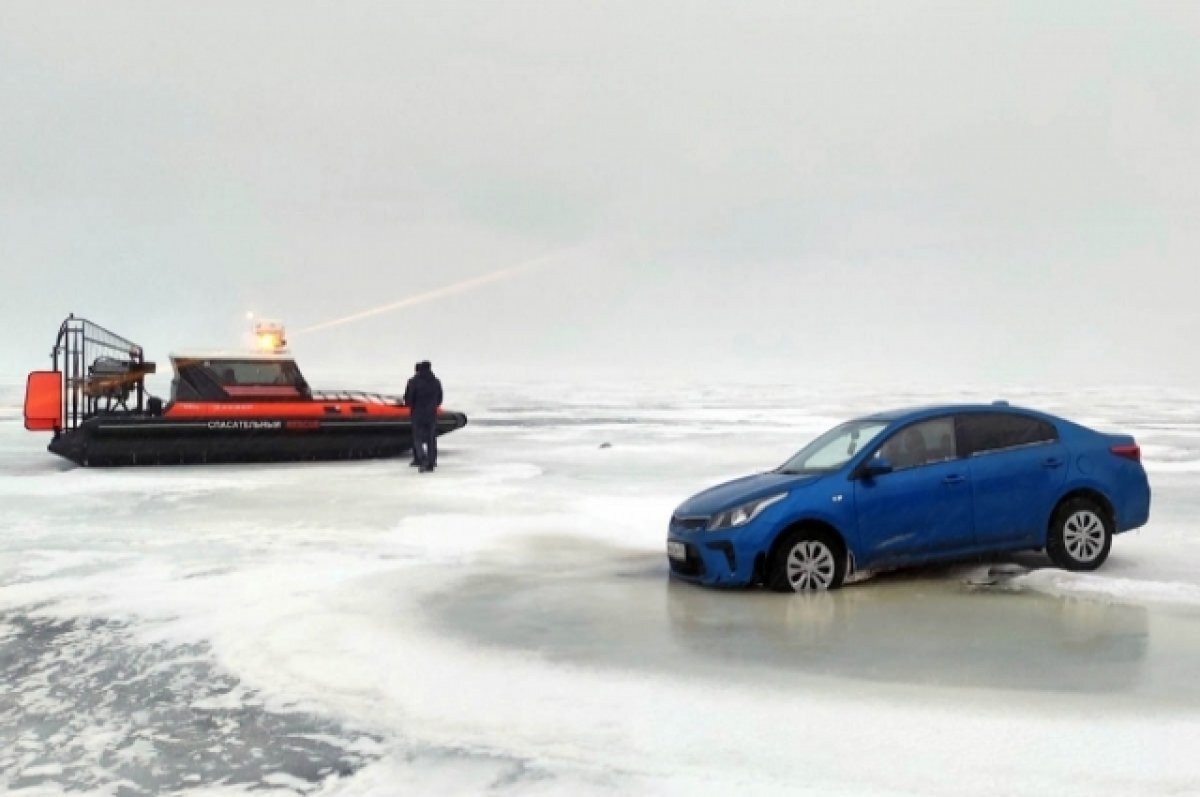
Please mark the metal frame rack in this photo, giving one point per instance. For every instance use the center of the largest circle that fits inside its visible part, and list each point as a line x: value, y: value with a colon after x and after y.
x: 102, y: 371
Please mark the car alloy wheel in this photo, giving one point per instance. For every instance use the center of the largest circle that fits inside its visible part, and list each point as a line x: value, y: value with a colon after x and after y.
x: 1080, y: 535
x: 806, y: 559
x: 1083, y: 535
x: 810, y: 565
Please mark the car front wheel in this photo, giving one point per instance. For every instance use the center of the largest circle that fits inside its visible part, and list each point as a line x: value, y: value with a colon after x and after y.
x: 806, y: 560
x: 1080, y: 535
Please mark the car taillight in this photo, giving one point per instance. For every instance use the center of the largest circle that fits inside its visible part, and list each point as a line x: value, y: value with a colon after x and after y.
x: 1128, y: 451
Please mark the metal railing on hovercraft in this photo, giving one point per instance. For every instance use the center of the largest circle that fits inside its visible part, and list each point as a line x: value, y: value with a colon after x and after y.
x: 102, y: 371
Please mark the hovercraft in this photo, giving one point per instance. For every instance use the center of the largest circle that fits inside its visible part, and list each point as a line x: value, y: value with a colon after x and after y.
x: 224, y: 407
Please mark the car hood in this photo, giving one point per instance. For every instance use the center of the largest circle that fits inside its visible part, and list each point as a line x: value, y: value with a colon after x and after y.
x: 739, y: 491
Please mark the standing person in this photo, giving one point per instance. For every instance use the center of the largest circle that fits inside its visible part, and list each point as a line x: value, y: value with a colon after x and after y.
x: 423, y: 397
x: 416, y: 463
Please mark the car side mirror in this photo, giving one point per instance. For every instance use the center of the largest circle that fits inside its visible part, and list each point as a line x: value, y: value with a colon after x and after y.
x: 876, y: 466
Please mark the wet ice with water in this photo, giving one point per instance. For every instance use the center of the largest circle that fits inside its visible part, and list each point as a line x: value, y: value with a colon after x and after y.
x: 507, y: 624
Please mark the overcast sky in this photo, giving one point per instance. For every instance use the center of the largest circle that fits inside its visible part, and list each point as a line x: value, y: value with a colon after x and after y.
x: 942, y: 193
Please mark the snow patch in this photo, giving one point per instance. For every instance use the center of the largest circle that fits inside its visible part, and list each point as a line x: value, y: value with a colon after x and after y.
x: 1101, y: 587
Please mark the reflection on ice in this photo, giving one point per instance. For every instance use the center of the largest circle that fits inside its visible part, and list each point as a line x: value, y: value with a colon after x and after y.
x: 917, y: 628
x: 936, y: 633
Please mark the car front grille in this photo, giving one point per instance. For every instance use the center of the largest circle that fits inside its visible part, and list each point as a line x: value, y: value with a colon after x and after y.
x: 689, y: 523
x: 692, y: 566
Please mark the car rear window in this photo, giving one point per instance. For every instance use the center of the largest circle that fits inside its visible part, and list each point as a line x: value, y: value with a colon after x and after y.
x: 998, y: 431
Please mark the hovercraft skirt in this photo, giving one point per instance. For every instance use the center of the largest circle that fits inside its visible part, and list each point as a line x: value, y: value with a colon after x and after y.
x: 117, y: 440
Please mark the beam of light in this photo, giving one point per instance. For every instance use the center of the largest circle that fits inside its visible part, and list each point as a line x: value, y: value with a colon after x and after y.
x: 454, y: 289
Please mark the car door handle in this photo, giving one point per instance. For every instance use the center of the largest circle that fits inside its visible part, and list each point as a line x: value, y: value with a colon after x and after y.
x: 1052, y: 462
x: 954, y: 478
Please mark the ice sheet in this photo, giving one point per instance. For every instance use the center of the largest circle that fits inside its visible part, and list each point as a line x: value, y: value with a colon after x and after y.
x: 506, y: 625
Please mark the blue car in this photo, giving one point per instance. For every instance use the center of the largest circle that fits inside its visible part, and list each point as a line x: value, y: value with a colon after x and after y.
x: 915, y: 486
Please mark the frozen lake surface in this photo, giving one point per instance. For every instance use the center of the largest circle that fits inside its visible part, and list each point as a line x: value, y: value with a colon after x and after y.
x: 507, y: 625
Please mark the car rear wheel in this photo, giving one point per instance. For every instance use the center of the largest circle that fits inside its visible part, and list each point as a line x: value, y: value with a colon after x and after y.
x: 1080, y: 535
x: 806, y: 560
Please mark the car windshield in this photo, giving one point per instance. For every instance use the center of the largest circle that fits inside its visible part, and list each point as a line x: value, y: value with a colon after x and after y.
x: 835, y: 448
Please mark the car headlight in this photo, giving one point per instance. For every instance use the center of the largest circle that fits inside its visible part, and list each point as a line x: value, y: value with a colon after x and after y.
x: 741, y: 515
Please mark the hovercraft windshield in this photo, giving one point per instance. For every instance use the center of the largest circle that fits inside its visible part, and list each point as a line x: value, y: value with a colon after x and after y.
x: 260, y: 377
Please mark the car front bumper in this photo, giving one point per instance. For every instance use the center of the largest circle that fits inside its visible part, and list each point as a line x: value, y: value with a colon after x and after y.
x: 712, y: 559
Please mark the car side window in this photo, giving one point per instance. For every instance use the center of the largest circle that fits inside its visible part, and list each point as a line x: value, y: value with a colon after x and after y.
x: 985, y: 432
x: 920, y: 444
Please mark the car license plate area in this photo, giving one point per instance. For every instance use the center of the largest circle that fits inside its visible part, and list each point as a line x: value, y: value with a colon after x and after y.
x: 677, y: 550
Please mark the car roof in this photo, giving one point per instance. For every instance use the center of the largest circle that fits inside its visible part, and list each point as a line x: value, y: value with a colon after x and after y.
x: 933, y: 410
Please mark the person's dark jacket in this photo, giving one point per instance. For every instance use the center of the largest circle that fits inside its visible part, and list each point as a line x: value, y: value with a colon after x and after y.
x: 423, y: 394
